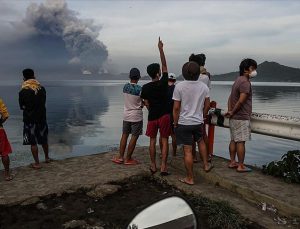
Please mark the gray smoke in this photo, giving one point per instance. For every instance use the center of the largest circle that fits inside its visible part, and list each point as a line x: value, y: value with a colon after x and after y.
x: 80, y: 36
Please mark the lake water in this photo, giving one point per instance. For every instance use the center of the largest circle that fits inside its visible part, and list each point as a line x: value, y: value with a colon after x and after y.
x: 85, y: 117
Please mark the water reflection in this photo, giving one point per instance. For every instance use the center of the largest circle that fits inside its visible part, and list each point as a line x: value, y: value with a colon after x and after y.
x: 86, y: 118
x: 73, y: 113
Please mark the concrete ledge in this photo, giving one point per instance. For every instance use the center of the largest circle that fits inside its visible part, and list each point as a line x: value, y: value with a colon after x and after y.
x: 97, y: 174
x: 254, y: 187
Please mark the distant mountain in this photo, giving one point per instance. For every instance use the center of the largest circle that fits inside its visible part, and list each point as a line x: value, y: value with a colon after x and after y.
x: 267, y: 72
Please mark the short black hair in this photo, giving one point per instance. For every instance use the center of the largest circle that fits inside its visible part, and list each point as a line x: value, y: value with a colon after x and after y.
x: 198, y: 58
x: 28, y: 73
x: 246, y: 64
x: 191, y: 71
x: 153, y: 70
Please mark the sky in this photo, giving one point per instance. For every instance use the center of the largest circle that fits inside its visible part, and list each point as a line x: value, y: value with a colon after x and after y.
x: 226, y: 31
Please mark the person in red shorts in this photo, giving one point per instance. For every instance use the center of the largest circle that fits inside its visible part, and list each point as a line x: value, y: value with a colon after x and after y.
x: 155, y: 96
x: 5, y: 148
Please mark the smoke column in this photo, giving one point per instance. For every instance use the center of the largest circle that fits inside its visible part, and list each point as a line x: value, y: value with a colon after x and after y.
x: 80, y: 36
x: 52, y: 40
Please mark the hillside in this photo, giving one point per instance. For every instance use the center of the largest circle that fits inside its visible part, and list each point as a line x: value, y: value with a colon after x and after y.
x: 267, y: 72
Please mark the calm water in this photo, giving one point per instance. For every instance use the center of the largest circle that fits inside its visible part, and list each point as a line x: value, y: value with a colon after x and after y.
x: 85, y: 117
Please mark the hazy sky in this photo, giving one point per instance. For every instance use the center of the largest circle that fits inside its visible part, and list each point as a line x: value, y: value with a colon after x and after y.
x: 226, y: 31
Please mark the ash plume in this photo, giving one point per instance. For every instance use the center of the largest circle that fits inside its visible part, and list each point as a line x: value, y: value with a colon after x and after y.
x: 53, y: 37
x: 80, y: 36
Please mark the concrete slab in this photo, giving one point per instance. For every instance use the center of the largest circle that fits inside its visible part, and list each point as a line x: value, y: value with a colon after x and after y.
x: 243, y: 191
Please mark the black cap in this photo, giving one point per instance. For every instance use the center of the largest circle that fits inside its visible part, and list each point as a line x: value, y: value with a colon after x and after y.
x: 134, y: 74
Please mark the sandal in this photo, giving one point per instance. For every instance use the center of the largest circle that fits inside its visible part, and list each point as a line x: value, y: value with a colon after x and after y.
x: 117, y: 160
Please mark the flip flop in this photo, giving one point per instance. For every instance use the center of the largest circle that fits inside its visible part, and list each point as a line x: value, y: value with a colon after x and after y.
x: 117, y: 160
x: 34, y: 166
x: 246, y: 170
x: 131, y: 162
x: 233, y: 166
x: 209, y: 168
x: 185, y: 182
x: 152, y: 171
x: 164, y: 173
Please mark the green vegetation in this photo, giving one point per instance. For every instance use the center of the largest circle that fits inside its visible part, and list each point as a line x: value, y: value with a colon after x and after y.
x: 218, y: 213
x: 288, y: 168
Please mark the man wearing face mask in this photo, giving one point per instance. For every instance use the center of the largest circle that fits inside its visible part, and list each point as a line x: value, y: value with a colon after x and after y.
x: 239, y: 112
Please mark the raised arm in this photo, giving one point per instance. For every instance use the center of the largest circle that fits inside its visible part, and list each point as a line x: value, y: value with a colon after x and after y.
x: 164, y: 67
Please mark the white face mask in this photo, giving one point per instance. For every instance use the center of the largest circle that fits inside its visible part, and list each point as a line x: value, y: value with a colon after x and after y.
x: 253, y: 74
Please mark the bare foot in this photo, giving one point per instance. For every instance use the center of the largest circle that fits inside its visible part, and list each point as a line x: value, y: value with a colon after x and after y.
x: 35, y: 166
x: 243, y: 169
x: 233, y: 164
x: 48, y: 160
x: 8, y: 176
x: 208, y: 167
x: 187, y: 181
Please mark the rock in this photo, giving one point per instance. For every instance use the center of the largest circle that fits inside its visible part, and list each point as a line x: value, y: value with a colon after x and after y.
x: 103, y: 190
x: 32, y: 200
x: 41, y: 206
x: 73, y: 224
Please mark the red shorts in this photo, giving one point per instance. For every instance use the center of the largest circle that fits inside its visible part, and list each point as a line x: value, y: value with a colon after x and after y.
x: 5, y: 147
x: 163, y: 124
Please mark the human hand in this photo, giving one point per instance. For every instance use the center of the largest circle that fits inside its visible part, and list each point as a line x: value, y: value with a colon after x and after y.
x: 228, y: 114
x: 160, y: 44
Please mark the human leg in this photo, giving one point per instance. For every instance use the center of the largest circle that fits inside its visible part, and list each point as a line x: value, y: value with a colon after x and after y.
x: 188, y: 163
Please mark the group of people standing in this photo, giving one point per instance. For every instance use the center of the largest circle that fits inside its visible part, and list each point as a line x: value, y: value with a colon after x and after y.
x: 180, y: 111
x: 177, y: 110
x: 32, y: 101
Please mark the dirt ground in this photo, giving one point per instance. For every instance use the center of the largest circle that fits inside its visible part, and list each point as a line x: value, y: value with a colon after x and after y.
x: 82, y: 210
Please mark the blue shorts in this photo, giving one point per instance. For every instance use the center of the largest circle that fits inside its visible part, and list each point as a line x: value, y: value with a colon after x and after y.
x: 35, y: 133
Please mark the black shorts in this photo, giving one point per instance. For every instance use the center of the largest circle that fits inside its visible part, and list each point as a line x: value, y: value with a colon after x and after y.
x: 188, y: 134
x: 35, y: 133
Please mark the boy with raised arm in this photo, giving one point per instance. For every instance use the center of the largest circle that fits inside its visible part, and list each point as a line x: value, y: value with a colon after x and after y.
x: 155, y: 96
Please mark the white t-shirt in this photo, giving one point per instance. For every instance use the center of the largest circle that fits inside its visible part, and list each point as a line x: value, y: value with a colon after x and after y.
x: 205, y: 79
x: 132, y: 103
x: 192, y: 95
